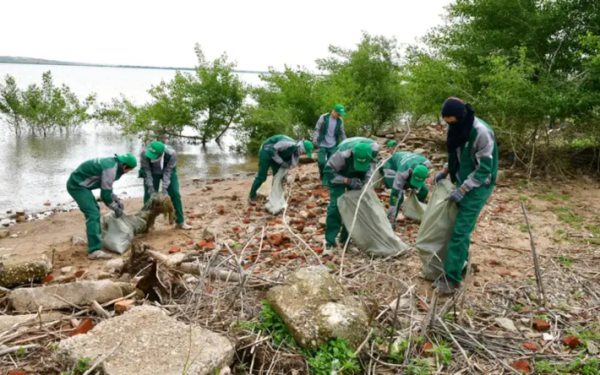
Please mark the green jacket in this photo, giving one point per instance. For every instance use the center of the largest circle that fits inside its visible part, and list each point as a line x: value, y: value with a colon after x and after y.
x: 164, y: 167
x: 99, y: 173
x: 476, y: 163
x: 282, y: 148
x: 397, y: 169
x: 323, y: 125
x: 341, y: 162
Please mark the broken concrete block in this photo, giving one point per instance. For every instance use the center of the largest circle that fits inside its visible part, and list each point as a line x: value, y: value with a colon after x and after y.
x: 114, y: 265
x: 8, y: 321
x: 18, y: 272
x: 64, y: 295
x: 151, y: 343
x: 316, y: 307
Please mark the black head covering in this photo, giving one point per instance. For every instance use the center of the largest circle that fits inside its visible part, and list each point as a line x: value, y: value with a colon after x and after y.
x: 458, y: 132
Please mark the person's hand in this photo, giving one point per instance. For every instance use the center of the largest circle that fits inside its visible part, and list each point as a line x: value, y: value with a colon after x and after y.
x: 164, y: 192
x: 285, y: 165
x: 392, y: 216
x: 118, y: 213
x: 440, y: 176
x: 118, y: 202
x: 355, y: 183
x: 457, y: 195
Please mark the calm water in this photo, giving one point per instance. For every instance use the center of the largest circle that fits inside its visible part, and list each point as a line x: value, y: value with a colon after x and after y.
x: 35, y: 169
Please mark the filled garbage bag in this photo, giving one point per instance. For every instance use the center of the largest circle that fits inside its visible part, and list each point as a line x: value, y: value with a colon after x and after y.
x: 372, y: 232
x: 436, y: 229
x: 117, y: 233
x: 413, y: 209
x: 377, y: 179
x: 276, y: 202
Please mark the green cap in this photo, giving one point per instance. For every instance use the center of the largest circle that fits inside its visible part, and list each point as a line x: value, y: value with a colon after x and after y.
x: 155, y: 150
x: 392, y: 144
x: 362, y: 157
x: 308, y: 147
x: 419, y: 175
x: 339, y: 109
x: 128, y: 160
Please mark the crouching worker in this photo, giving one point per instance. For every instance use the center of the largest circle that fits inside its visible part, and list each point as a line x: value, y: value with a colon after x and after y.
x: 473, y: 167
x: 159, y: 163
x: 403, y: 171
x: 279, y: 151
x: 98, y: 173
x: 349, y: 168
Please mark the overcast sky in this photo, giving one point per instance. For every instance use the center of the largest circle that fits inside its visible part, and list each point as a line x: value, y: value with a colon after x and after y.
x: 257, y: 34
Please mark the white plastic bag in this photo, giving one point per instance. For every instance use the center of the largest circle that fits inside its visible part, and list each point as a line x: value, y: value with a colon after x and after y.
x: 413, y: 209
x: 276, y: 202
x: 436, y: 229
x: 372, y: 232
x: 117, y: 233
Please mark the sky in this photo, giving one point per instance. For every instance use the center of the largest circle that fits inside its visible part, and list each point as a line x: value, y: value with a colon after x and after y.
x: 256, y: 33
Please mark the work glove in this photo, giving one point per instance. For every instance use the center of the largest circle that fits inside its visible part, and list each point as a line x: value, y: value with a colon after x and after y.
x: 118, y: 212
x: 392, y: 215
x: 285, y: 165
x: 118, y: 202
x: 150, y: 190
x: 440, y: 176
x: 164, y: 192
x: 457, y: 195
x: 355, y: 183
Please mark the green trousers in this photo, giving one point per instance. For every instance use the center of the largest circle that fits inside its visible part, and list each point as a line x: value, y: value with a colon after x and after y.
x: 421, y: 196
x: 173, y: 192
x: 88, y: 205
x: 264, y: 163
x: 334, y: 219
x: 324, y: 155
x: 468, y: 213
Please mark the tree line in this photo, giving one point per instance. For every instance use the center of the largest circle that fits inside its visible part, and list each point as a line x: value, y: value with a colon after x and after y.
x: 529, y: 67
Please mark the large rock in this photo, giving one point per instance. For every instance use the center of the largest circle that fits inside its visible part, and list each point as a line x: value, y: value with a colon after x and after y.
x: 63, y: 295
x: 316, y: 307
x: 18, y: 272
x: 8, y: 321
x: 151, y: 343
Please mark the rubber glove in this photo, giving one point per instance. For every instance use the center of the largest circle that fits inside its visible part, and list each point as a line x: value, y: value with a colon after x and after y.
x: 457, y: 195
x: 285, y: 165
x: 355, y: 183
x: 440, y: 176
x: 118, y: 213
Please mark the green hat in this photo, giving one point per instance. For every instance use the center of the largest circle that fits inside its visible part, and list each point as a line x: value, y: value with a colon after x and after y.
x: 308, y: 147
x: 362, y: 157
x: 392, y: 144
x: 339, y: 109
x: 419, y: 175
x: 128, y: 160
x: 155, y: 150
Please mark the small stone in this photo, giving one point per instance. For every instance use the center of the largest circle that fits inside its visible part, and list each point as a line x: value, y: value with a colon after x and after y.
x: 84, y: 327
x: 76, y: 240
x: 521, y: 366
x: 503, y: 271
x: 66, y: 270
x: 571, y: 341
x: 591, y: 347
x: 80, y: 273
x: 507, y: 324
x: 541, y: 325
x: 125, y: 278
x: 104, y: 276
x: 322, y: 222
x: 419, y: 151
x: 530, y: 346
x: 14, y: 235
x: 221, y: 210
x: 114, y: 264
x: 122, y: 306
x: 4, y: 233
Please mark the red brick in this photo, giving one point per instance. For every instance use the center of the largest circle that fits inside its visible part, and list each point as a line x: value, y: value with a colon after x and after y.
x: 541, y: 325
x: 221, y: 210
x: 189, y: 242
x: 174, y: 250
x: 246, y: 221
x: 80, y: 273
x: 276, y: 239
x: 122, y: 306
x: 201, y: 244
x: 521, y: 366
x: 16, y: 372
x: 48, y: 279
x: 210, y: 245
x: 427, y: 349
x: 422, y: 306
x: 531, y: 346
x: 571, y: 341
x: 84, y: 327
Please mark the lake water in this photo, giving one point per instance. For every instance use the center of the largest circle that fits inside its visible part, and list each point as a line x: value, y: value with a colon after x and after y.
x: 35, y: 169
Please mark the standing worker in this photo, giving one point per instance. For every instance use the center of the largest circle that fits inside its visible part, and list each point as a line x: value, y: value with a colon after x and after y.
x: 350, y: 167
x: 279, y: 151
x: 473, y: 167
x: 329, y: 133
x: 98, y: 173
x: 405, y: 170
x: 159, y: 163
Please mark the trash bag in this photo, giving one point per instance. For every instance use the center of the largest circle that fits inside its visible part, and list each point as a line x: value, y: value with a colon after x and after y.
x: 436, y: 229
x: 377, y: 179
x: 413, y: 209
x: 276, y: 202
x: 372, y: 232
x: 117, y: 233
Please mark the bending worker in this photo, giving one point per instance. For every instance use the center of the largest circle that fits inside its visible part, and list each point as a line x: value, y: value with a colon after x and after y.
x: 279, y: 151
x: 159, y: 163
x: 405, y: 170
x: 391, y: 146
x: 329, y: 134
x: 350, y: 167
x: 98, y: 173
x: 473, y: 167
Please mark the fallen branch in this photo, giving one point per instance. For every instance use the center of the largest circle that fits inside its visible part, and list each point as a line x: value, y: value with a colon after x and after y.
x: 17, y: 348
x: 536, y: 263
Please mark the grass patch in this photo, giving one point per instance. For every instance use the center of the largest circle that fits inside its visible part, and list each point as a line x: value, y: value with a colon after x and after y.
x: 81, y: 367
x: 524, y: 229
x: 565, y: 260
x: 587, y: 366
x: 567, y: 216
x: 517, y: 307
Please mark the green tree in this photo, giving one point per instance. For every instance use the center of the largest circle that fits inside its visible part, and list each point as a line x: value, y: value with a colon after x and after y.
x: 10, y: 104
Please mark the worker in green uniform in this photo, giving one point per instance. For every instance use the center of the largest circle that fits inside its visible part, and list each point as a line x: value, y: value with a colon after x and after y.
x: 98, y: 173
x: 405, y: 170
x: 349, y: 168
x: 328, y: 135
x: 473, y: 167
x: 158, y: 162
x: 391, y: 146
x: 279, y: 151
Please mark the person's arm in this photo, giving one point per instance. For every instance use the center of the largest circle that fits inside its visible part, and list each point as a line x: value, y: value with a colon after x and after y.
x: 280, y: 147
x: 107, y: 180
x: 484, y: 150
x: 342, y: 132
x: 318, y: 131
x: 397, y: 196
x: 337, y: 163
x: 145, y: 166
x: 168, y: 169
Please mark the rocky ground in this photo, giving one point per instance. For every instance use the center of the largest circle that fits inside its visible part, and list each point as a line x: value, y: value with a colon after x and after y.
x: 216, y: 276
